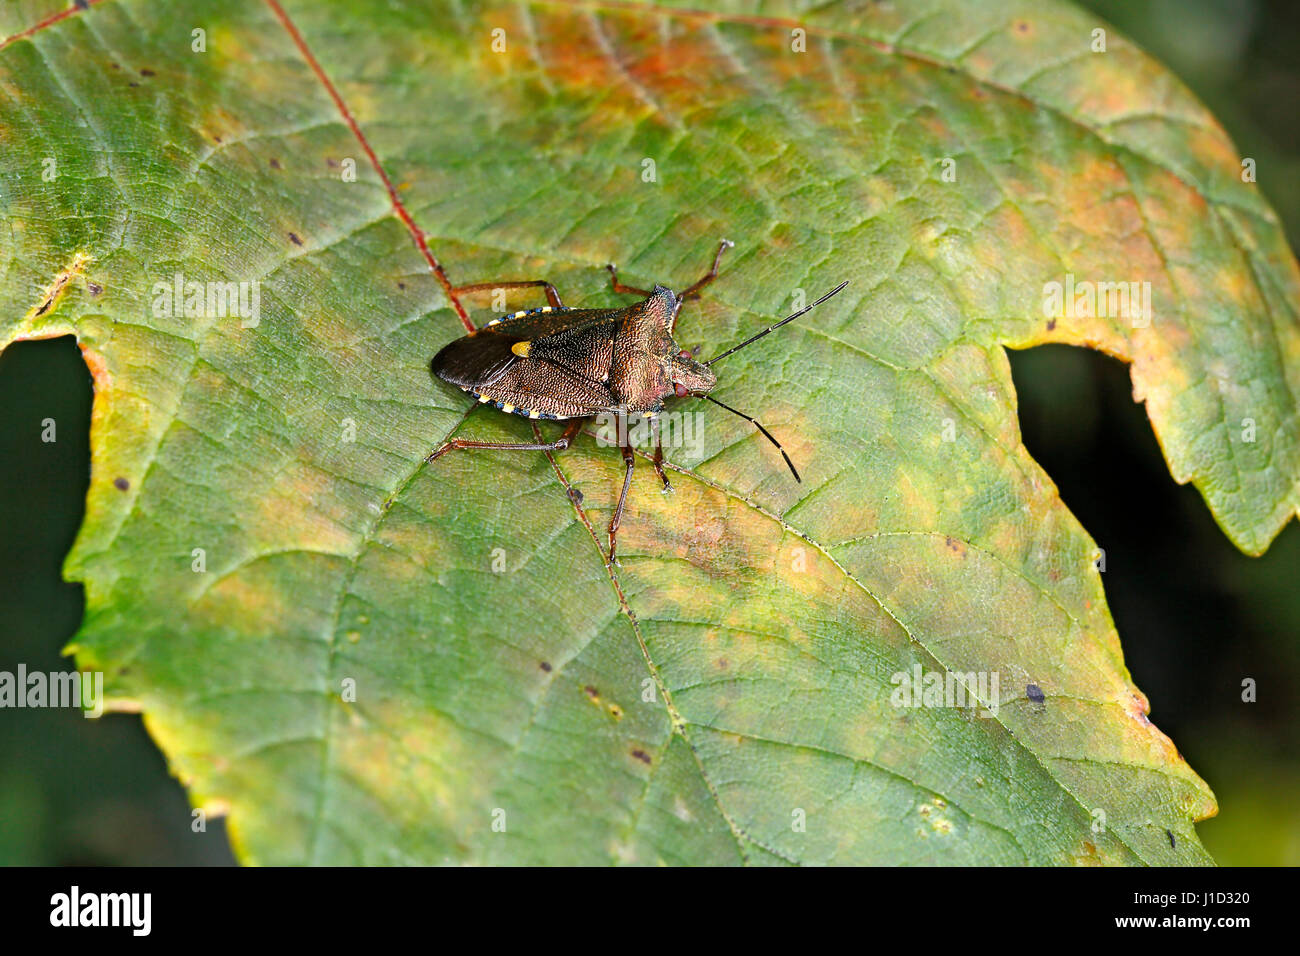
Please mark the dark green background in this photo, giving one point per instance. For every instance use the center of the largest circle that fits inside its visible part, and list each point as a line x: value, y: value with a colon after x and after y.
x: 1195, y: 615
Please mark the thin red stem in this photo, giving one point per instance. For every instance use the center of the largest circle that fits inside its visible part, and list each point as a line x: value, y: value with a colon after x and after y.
x: 49, y: 21
x: 398, y: 206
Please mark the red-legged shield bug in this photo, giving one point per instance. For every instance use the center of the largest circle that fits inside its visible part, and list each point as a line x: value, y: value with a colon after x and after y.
x: 573, y: 364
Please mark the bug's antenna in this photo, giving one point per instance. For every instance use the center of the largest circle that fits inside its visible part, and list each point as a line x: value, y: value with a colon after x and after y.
x: 765, y: 432
x: 773, y: 328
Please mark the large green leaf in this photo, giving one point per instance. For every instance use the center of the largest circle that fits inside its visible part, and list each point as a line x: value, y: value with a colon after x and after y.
x: 734, y: 676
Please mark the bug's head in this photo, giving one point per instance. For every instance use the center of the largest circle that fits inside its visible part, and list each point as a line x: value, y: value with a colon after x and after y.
x: 689, y: 376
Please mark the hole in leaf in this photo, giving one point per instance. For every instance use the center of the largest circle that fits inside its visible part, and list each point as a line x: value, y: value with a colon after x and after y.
x: 79, y: 792
x: 1195, y: 616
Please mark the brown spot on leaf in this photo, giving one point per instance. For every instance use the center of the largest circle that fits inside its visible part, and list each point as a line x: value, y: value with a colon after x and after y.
x: 275, y: 164
x: 121, y: 484
x: 642, y: 756
x: 146, y: 72
x: 56, y: 288
x: 1051, y: 325
x: 1138, y: 707
x: 1088, y: 855
x: 296, y: 240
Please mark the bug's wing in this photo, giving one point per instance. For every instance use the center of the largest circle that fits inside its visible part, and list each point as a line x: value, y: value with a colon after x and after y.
x: 474, y: 361
x: 563, y: 374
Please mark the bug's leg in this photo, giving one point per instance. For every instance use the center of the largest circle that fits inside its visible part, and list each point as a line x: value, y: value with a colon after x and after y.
x: 709, y: 276
x: 561, y: 443
x: 629, y: 458
x: 693, y: 291
x: 659, y: 454
x: 620, y: 287
x: 552, y: 296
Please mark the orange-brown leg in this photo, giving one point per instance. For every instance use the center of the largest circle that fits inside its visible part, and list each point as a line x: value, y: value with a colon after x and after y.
x: 561, y: 443
x: 709, y: 276
x: 552, y: 296
x: 691, y: 292
x: 629, y: 459
x: 658, y: 459
x: 620, y: 287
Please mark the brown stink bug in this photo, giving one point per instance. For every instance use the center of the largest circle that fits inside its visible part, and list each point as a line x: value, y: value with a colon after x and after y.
x: 574, y: 364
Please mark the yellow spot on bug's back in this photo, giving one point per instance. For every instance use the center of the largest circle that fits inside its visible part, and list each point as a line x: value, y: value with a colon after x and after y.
x: 534, y: 413
x: 484, y: 398
x: 546, y: 308
x: 521, y: 349
x: 507, y: 407
x: 494, y: 322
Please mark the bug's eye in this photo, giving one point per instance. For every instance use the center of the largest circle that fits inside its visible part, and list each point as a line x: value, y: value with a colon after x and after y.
x: 684, y: 354
x: 679, y: 389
